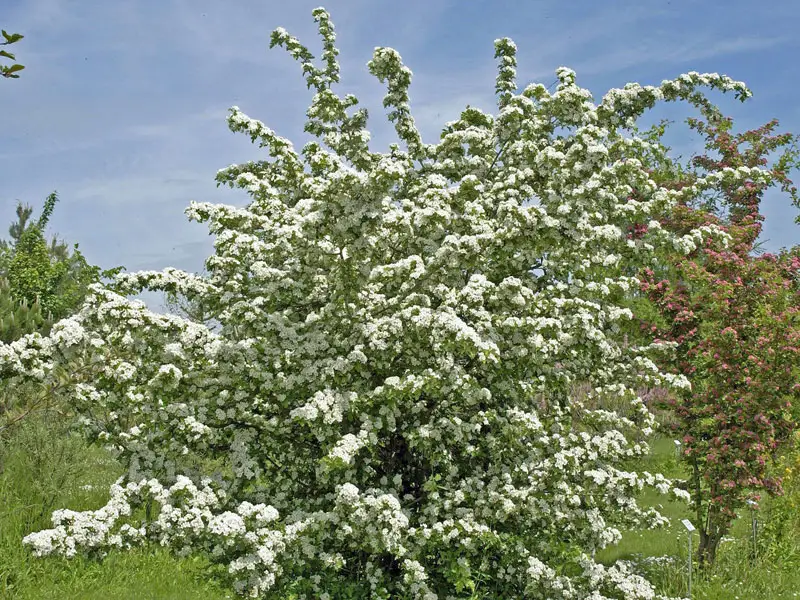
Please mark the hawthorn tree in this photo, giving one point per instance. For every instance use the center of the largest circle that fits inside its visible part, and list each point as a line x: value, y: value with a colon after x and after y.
x: 734, y: 317
x: 385, y: 410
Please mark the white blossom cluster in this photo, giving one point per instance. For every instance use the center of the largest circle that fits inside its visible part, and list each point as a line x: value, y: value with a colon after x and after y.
x: 385, y: 411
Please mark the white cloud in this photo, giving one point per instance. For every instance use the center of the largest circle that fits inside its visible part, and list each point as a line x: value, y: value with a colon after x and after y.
x: 674, y: 50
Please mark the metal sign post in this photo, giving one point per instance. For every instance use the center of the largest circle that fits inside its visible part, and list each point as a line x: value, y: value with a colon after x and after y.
x: 689, y: 528
x: 754, y: 523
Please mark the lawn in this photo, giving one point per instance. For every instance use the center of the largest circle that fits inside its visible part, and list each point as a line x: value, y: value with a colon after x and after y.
x: 44, y: 467
x: 735, y: 576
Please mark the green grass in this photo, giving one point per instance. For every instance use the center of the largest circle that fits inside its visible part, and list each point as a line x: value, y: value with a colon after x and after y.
x: 734, y: 576
x: 43, y: 467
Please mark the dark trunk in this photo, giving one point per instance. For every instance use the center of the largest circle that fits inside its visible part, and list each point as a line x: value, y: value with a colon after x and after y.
x: 710, y: 523
x: 707, y: 550
x: 716, y: 526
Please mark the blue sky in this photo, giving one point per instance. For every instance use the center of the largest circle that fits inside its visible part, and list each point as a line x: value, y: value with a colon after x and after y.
x: 122, y: 105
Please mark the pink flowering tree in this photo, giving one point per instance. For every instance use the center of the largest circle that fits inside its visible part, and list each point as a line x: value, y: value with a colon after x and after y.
x: 734, y: 317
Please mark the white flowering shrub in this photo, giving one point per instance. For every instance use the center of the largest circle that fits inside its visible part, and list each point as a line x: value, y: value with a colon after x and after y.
x: 384, y: 412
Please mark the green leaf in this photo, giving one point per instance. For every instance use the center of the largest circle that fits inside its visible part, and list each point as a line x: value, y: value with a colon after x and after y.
x: 14, y: 68
x: 7, y: 55
x: 11, y: 37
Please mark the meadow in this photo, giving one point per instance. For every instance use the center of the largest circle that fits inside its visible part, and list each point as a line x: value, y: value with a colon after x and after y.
x: 45, y: 465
